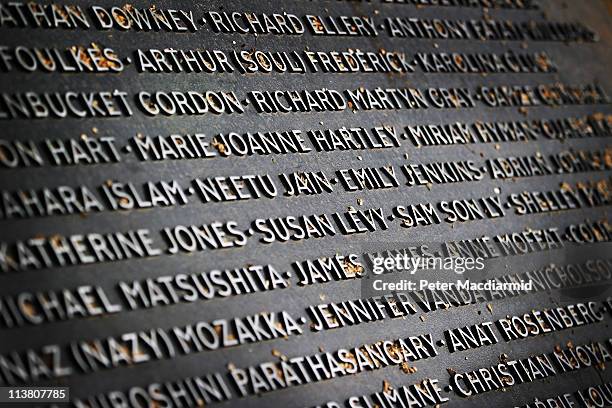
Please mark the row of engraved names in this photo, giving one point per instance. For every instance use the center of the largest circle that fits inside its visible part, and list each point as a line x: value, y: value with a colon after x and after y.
x: 116, y: 195
x: 154, y: 19
x: 133, y: 348
x: 99, y: 59
x: 41, y: 252
x: 97, y: 147
x: 210, y: 388
x: 116, y: 103
x: 31, y: 307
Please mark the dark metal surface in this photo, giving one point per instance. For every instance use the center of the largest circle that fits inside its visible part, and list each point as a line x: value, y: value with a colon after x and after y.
x: 577, y: 63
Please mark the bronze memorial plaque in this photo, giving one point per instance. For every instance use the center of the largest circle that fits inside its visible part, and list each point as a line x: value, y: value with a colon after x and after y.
x: 309, y: 203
